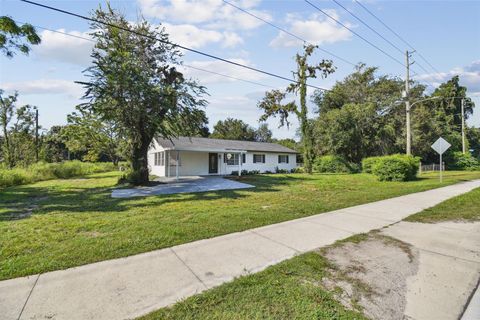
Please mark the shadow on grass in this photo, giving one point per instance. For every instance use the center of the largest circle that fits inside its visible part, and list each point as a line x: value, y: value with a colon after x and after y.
x: 21, y: 202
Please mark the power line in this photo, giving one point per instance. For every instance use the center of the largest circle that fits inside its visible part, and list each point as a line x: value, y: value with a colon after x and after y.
x: 368, y: 26
x: 181, y: 64
x: 286, y: 31
x: 396, y: 34
x: 227, y: 76
x: 355, y: 33
x: 375, y: 31
x: 167, y: 42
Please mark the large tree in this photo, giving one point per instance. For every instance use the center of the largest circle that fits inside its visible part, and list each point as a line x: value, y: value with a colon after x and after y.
x: 233, y: 129
x: 361, y: 115
x: 440, y: 116
x: 133, y: 83
x: 15, y: 37
x: 273, y: 106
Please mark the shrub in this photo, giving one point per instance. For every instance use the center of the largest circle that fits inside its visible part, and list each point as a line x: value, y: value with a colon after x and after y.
x: 396, y: 168
x: 298, y: 170
x: 278, y: 170
x: 464, y: 162
x: 368, y: 163
x: 333, y: 164
x: 48, y: 171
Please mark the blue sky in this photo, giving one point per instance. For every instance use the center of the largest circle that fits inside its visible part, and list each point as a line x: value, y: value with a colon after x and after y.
x: 446, y: 33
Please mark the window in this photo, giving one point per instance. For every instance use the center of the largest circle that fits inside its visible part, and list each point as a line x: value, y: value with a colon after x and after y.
x: 234, y: 159
x: 159, y: 158
x: 258, y: 158
x: 283, y: 158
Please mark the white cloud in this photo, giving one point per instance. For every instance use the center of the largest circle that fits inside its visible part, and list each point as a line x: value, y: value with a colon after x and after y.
x: 469, y: 77
x: 215, y: 13
x: 63, y: 48
x: 222, y: 68
x: 315, y: 29
x: 195, y: 37
x: 46, y: 86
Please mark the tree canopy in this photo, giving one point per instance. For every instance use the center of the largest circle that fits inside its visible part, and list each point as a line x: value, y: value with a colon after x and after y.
x: 363, y: 115
x: 236, y: 129
x: 16, y: 38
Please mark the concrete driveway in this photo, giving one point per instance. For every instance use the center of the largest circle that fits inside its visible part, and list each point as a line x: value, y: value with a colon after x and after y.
x: 183, y: 185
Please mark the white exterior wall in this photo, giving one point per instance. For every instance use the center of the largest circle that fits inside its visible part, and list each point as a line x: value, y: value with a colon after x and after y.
x: 271, y: 163
x: 193, y: 163
x: 159, y: 171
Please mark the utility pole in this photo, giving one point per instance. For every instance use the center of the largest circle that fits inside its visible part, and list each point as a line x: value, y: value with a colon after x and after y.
x: 463, y: 127
x: 36, y: 134
x: 407, y: 102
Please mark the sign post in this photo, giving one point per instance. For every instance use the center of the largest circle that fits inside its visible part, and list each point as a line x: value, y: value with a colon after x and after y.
x: 440, y: 146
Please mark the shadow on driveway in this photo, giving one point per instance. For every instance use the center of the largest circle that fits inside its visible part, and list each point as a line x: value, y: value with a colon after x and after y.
x: 184, y: 185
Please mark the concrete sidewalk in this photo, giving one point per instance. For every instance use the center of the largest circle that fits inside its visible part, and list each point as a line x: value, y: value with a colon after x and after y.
x: 130, y: 287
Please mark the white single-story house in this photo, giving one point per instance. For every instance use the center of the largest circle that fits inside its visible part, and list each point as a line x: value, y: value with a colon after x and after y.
x: 192, y: 156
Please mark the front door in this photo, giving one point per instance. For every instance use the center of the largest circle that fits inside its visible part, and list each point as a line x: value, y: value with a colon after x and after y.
x: 213, y: 163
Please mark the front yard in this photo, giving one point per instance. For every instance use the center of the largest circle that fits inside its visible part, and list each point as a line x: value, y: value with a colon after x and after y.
x: 364, y: 276
x: 58, y: 224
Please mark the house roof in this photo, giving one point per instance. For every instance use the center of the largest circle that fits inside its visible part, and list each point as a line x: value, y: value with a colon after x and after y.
x: 220, y: 145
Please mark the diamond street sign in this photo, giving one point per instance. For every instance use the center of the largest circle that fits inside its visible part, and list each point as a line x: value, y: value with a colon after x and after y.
x: 441, y: 145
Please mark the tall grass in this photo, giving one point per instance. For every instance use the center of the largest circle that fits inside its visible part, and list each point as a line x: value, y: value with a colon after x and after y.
x: 48, y: 171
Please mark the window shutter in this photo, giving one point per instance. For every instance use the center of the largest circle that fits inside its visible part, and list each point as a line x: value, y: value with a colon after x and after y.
x: 225, y: 158
x: 244, y: 158
x: 279, y: 158
x: 288, y: 158
x: 263, y: 158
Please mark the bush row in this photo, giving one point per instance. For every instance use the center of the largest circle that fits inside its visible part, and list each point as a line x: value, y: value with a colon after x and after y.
x: 277, y: 170
x: 334, y: 164
x: 397, y: 167
x: 48, y: 171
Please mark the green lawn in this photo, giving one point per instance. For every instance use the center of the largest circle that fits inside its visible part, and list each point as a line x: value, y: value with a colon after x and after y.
x: 58, y: 224
x: 289, y: 290
x: 462, y: 208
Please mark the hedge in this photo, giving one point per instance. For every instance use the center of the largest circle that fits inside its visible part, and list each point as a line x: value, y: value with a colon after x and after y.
x: 48, y: 171
x: 464, y: 162
x: 368, y: 163
x: 396, y: 167
x: 333, y: 164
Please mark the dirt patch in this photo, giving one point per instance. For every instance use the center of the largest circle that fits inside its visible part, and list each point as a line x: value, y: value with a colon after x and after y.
x: 371, y: 275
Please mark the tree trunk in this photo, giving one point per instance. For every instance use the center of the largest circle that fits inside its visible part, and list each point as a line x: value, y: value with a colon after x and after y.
x: 139, y: 162
x: 304, y: 123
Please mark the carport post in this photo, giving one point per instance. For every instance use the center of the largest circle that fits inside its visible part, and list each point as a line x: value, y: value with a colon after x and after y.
x: 176, y: 166
x: 239, y: 164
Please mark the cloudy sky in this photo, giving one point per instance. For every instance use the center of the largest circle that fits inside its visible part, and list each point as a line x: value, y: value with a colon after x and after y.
x: 446, y: 33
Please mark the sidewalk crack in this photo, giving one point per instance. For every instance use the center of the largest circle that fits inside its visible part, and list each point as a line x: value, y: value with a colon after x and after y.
x: 275, y: 241
x: 28, y: 297
x: 190, y: 269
